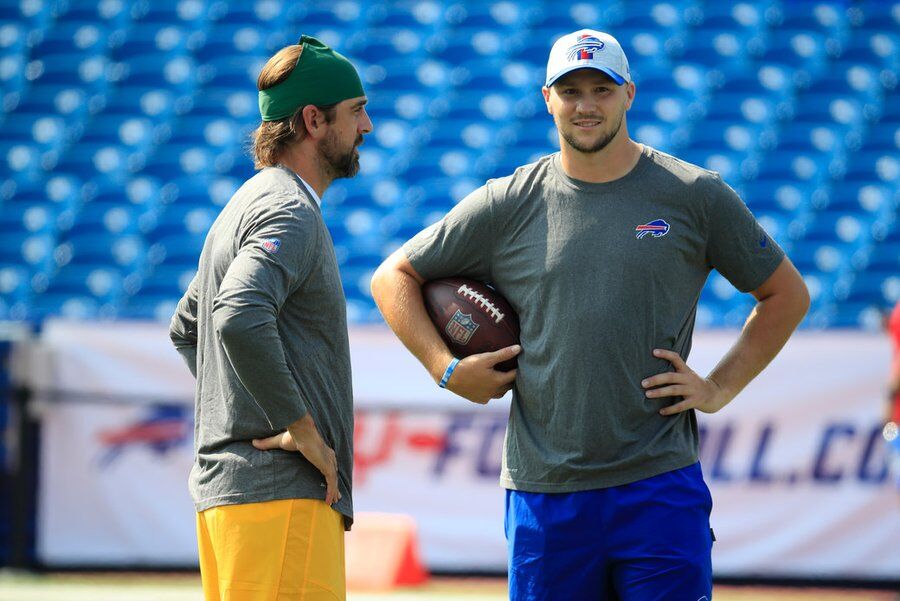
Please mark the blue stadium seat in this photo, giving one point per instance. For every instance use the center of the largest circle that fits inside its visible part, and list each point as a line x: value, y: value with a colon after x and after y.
x: 163, y: 70
x: 15, y: 284
x: 174, y: 251
x: 823, y: 17
x: 132, y: 131
x: 798, y: 49
x: 872, y: 48
x: 811, y: 137
x: 89, y: 160
x: 791, y: 165
x: 151, y: 39
x: 183, y: 219
x: 73, y: 39
x: 87, y: 71
x: 377, y: 45
x: 240, y: 104
x: 13, y: 39
x: 177, y: 160
x: 497, y: 15
x: 216, y: 132
x: 68, y: 306
x: 737, y: 136
x: 99, y: 282
x: 769, y: 195
x: 875, y: 15
x: 731, y: 15
x: 855, y: 196
x: 32, y: 218
x: 873, y: 166
x: 878, y: 288
x: 237, y: 39
x: 566, y: 18
x: 35, y: 14
x: 306, y: 16
x: 844, y: 78
x: 111, y: 12
x: 95, y: 248
x: 885, y: 258
x: 467, y: 133
x: 712, y: 48
x: 653, y: 15
x: 735, y: 106
x: 828, y: 108
x: 238, y: 72
x: 883, y: 137
x: 170, y: 12
x: 26, y: 248
x: 42, y: 130
x: 137, y: 101
x: 166, y: 281
x: 260, y: 15
x: 69, y: 101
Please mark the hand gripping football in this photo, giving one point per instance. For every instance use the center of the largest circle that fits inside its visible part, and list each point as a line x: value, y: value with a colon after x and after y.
x: 471, y: 317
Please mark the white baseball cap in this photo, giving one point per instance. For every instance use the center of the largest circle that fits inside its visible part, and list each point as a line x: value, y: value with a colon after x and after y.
x: 588, y: 49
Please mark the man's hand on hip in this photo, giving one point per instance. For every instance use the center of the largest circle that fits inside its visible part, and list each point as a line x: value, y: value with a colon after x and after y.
x: 303, y: 436
x: 697, y: 392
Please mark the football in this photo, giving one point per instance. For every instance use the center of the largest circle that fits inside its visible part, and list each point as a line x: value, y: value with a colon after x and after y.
x: 471, y: 317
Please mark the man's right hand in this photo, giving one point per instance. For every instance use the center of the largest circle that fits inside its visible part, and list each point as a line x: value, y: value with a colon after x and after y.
x: 476, y: 379
x: 303, y: 436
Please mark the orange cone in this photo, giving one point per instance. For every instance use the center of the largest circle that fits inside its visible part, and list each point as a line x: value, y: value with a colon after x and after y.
x: 383, y: 553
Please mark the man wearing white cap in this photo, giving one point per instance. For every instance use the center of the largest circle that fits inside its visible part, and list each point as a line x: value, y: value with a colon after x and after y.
x: 602, y: 249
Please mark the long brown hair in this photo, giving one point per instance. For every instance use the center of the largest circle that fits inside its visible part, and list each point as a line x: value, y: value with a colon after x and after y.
x: 272, y: 138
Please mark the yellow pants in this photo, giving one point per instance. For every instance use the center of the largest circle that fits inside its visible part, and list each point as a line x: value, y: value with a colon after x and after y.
x: 291, y: 550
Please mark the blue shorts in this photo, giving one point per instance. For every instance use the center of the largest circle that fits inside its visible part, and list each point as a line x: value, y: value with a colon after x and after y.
x: 643, y: 541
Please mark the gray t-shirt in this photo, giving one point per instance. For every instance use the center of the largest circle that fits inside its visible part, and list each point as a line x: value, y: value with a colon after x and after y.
x: 263, y: 327
x: 600, y: 275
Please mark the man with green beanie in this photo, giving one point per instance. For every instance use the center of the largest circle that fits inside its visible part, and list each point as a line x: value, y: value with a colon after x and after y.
x: 263, y: 328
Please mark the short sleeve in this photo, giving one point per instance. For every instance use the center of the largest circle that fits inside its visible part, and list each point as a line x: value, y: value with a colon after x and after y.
x: 460, y: 244
x: 737, y: 246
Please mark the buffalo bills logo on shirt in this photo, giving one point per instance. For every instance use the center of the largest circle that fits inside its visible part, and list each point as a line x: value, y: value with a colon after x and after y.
x: 272, y: 245
x: 584, y: 48
x: 461, y: 327
x: 656, y: 228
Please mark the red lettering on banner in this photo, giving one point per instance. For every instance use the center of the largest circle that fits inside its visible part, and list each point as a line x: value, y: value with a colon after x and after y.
x: 377, y: 437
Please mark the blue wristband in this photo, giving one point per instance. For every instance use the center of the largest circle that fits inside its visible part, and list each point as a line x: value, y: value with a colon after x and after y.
x: 448, y: 372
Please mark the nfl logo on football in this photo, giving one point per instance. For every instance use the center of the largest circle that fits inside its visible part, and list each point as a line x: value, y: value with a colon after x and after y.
x: 461, y: 327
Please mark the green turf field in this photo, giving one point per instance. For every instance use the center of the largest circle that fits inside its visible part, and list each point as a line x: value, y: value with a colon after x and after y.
x: 180, y: 587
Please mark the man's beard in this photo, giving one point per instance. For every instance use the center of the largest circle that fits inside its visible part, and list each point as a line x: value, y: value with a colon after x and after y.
x: 596, y: 146
x: 339, y: 164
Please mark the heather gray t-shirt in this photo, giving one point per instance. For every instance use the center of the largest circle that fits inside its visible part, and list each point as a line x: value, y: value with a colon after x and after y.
x: 600, y: 275
x: 263, y: 327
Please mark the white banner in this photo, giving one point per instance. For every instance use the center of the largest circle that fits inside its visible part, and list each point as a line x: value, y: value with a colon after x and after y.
x: 796, y: 466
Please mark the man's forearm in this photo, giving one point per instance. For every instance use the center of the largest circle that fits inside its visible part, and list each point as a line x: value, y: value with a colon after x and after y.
x: 399, y: 298
x: 765, y: 333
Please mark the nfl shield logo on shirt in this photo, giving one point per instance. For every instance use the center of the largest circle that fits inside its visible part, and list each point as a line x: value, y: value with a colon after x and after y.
x: 461, y: 327
x: 272, y: 245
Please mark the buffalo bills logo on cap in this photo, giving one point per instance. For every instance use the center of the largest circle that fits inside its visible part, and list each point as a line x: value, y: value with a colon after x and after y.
x: 656, y: 228
x: 272, y: 245
x: 584, y: 48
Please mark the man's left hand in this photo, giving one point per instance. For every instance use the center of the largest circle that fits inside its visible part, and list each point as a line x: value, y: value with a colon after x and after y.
x: 698, y: 393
